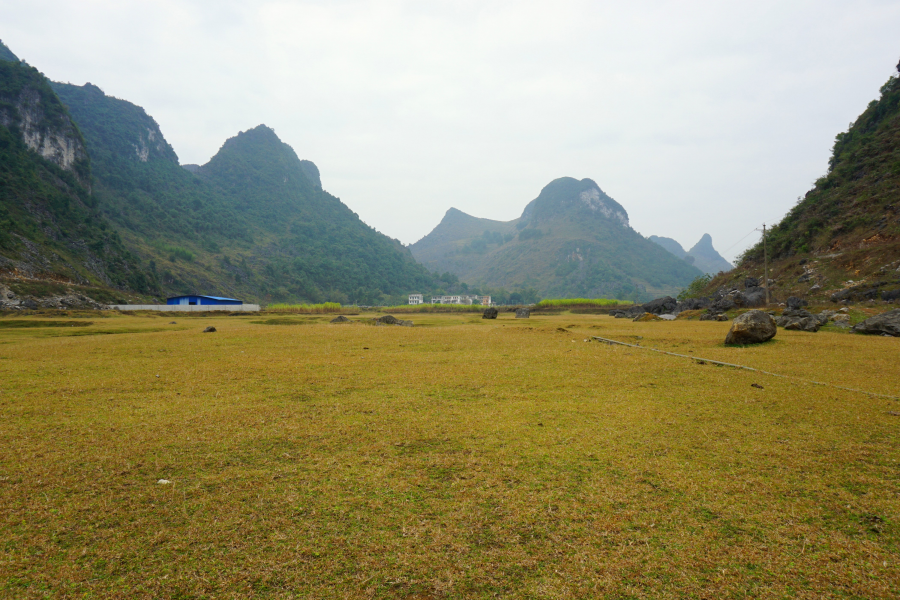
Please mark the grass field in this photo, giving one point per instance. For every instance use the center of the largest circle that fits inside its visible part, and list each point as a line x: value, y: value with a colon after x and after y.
x: 461, y: 458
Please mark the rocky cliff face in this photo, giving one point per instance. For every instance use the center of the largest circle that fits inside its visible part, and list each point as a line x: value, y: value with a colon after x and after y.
x: 50, y: 228
x: 30, y: 109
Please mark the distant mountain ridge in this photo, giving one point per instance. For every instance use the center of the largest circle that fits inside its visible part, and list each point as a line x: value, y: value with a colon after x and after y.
x: 573, y: 240
x: 93, y: 193
x: 702, y: 255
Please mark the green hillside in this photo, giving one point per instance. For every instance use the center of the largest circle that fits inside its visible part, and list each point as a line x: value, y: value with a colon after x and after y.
x: 317, y: 248
x: 845, y: 232
x: 573, y: 240
x: 253, y: 223
x: 50, y: 227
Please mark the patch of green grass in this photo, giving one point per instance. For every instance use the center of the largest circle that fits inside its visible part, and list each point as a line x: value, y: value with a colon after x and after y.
x: 24, y: 323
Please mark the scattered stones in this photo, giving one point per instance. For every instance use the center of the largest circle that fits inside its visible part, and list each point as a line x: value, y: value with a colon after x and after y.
x: 523, y: 313
x: 714, y: 317
x: 752, y: 327
x: 799, y: 320
x: 886, y: 323
x: 841, y: 320
x: 209, y: 329
x: 340, y: 319
x: 489, y: 313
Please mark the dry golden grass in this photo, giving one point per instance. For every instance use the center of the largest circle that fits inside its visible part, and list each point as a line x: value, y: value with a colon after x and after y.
x: 462, y: 458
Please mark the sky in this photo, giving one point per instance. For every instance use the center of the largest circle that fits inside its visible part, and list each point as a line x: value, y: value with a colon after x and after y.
x: 697, y: 117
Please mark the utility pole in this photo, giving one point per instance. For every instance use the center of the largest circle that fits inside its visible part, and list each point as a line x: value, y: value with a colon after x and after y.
x: 766, y: 261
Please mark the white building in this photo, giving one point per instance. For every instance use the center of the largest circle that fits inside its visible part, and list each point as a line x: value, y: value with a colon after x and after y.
x: 416, y: 299
x: 462, y: 299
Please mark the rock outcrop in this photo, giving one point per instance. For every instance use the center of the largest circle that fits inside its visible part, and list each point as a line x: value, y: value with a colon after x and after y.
x: 884, y: 324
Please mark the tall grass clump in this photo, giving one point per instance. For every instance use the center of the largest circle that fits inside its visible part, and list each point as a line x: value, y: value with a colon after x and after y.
x: 325, y: 307
x: 581, y: 303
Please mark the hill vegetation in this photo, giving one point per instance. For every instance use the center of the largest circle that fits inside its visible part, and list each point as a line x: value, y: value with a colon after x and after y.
x: 252, y: 223
x: 49, y: 223
x: 843, y: 236
x: 573, y: 240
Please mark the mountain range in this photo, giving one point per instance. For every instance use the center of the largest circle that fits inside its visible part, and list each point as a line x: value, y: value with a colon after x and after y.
x: 573, y: 240
x: 702, y: 255
x: 94, y: 194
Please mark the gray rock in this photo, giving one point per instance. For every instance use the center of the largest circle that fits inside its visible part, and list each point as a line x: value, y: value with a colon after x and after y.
x: 523, y: 313
x: 751, y: 282
x: 802, y: 324
x: 340, y: 319
x: 387, y: 320
x: 209, y: 329
x: 660, y: 306
x: 752, y: 327
x: 795, y: 303
x: 886, y: 323
x: 489, y: 313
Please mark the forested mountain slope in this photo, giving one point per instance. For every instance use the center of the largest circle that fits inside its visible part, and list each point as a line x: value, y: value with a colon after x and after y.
x: 845, y: 232
x: 49, y: 225
x: 573, y: 240
x: 253, y: 223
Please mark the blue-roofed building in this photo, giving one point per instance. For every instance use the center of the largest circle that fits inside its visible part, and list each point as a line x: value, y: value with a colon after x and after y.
x: 202, y: 301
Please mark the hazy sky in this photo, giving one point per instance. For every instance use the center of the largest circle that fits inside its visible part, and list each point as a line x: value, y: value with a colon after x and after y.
x: 696, y: 116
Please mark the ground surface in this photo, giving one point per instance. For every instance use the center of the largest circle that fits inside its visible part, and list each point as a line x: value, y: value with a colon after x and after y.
x: 460, y: 458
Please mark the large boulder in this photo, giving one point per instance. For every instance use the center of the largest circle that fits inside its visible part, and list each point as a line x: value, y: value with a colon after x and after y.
x: 884, y: 324
x: 523, y: 313
x: 489, y: 313
x: 660, y: 306
x: 755, y: 296
x: 387, y: 320
x: 340, y: 319
x: 752, y: 327
x: 795, y: 303
x: 751, y: 282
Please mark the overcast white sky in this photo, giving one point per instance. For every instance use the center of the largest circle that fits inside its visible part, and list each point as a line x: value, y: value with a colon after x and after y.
x: 696, y: 116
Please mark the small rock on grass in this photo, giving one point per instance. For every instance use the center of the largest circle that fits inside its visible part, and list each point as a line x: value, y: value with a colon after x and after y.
x: 163, y: 482
x: 340, y: 319
x: 209, y: 329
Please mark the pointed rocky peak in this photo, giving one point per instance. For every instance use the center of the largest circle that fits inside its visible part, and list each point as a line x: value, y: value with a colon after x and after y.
x: 707, y: 259
x: 704, y: 246
x: 261, y: 153
x: 568, y: 194
x: 6, y: 53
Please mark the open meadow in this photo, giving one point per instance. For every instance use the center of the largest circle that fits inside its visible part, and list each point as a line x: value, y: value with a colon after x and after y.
x: 460, y: 458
